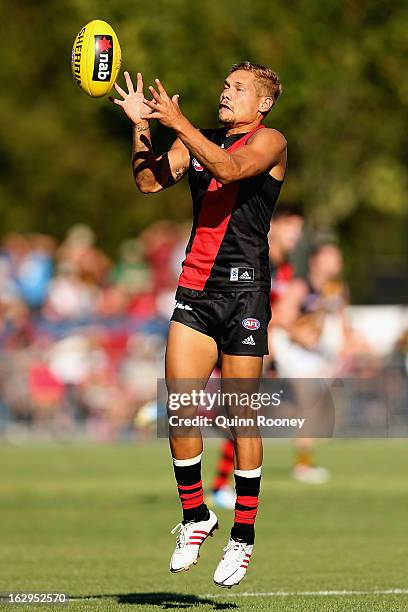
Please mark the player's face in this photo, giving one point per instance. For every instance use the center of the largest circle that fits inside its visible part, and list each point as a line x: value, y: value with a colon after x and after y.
x: 287, y: 231
x: 329, y: 260
x: 239, y: 100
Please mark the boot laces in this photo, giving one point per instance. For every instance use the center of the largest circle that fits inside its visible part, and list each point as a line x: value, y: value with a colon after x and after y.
x: 182, y: 533
x: 236, y: 546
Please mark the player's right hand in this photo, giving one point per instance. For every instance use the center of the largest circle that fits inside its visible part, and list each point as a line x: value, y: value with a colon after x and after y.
x: 132, y: 102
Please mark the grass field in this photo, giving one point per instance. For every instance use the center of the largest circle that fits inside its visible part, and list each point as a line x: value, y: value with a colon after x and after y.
x: 94, y: 522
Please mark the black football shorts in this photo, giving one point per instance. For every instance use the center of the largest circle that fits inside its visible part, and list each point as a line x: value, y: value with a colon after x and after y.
x: 238, y: 321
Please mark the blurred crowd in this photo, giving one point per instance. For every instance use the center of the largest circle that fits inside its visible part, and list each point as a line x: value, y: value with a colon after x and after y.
x: 82, y: 337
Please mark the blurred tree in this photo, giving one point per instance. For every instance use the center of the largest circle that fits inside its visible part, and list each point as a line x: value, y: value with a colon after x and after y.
x: 65, y: 157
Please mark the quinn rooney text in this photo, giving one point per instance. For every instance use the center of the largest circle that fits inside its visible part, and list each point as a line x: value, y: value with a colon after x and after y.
x: 225, y: 422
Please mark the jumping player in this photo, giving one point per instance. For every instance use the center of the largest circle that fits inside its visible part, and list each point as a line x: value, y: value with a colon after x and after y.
x: 235, y: 175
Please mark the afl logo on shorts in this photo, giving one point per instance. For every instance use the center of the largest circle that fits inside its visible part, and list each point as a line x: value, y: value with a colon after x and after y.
x: 252, y: 324
x: 196, y: 165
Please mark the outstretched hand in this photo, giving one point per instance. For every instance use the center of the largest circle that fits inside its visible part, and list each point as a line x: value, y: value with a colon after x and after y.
x: 133, y: 101
x: 162, y: 107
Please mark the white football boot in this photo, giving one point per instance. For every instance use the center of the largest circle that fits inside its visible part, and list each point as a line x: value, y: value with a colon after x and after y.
x: 233, y: 566
x: 190, y: 536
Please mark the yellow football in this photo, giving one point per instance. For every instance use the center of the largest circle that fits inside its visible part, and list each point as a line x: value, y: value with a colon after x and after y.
x: 96, y: 58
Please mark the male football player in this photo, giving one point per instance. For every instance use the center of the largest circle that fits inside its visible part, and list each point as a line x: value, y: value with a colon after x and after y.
x: 222, y: 300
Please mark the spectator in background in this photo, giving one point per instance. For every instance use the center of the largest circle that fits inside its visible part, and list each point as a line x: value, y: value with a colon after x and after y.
x: 133, y: 276
x: 79, y: 250
x: 69, y: 296
x: 30, y: 260
x: 36, y: 270
x: 160, y: 241
x: 132, y: 271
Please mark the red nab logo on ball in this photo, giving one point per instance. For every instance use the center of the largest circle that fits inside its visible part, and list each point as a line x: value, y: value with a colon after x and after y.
x: 196, y: 165
x: 252, y: 324
x: 103, y: 58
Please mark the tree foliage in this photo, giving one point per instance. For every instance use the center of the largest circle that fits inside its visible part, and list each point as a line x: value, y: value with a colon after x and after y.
x: 65, y: 157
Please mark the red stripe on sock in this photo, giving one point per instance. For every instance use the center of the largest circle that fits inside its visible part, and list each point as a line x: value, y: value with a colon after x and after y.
x: 192, y: 500
x: 248, y: 515
x: 190, y: 495
x: 189, y: 487
x: 245, y: 516
x: 247, y: 500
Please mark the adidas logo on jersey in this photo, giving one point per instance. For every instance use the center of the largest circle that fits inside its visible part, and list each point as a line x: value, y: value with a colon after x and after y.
x: 242, y: 274
x: 249, y: 340
x: 183, y: 306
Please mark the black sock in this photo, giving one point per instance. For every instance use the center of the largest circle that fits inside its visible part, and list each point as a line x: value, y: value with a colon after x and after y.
x: 190, y: 489
x: 246, y: 508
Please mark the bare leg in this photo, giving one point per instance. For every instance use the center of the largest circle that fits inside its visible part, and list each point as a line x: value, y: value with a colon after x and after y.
x: 190, y: 358
x: 245, y: 372
x: 189, y: 355
x: 248, y: 451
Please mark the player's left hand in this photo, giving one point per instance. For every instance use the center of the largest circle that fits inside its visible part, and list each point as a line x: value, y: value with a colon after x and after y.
x: 164, y: 109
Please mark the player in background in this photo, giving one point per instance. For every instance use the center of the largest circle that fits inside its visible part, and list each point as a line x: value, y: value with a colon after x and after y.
x: 235, y: 175
x: 284, y: 235
x: 310, y: 337
x: 285, y: 232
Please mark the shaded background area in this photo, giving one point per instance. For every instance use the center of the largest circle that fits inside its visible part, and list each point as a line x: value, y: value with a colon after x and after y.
x: 64, y: 158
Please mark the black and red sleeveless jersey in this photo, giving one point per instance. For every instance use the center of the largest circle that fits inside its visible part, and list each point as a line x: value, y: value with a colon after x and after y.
x: 228, y: 247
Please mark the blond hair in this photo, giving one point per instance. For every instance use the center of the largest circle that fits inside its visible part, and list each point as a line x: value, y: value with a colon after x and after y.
x: 267, y: 81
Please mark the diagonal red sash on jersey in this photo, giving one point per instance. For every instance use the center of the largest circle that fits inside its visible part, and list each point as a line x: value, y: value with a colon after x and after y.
x: 215, y: 213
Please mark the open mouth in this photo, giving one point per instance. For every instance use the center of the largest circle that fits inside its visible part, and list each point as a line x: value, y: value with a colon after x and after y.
x: 224, y: 106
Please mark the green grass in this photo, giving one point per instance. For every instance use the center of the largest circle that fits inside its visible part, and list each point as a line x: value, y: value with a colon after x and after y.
x: 94, y: 522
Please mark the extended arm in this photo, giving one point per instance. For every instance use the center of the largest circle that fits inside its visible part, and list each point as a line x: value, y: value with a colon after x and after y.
x: 265, y: 149
x: 151, y: 174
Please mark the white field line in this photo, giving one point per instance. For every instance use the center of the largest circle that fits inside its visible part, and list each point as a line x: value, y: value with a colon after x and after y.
x: 306, y: 593
x: 226, y: 593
